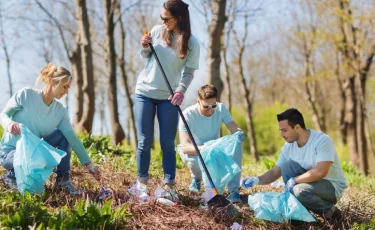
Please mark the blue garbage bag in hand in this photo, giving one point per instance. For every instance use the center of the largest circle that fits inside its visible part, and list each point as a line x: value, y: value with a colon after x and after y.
x: 218, y: 157
x: 34, y: 162
x: 278, y: 207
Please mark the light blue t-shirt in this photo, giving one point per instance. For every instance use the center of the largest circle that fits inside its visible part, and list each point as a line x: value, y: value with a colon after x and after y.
x: 150, y: 82
x: 205, y: 128
x: 28, y: 108
x: 318, y: 148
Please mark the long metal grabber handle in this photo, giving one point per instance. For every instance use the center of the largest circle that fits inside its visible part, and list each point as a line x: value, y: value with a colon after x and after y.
x: 183, y: 119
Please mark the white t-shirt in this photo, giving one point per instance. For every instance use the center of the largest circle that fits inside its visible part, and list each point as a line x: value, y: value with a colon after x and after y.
x: 205, y: 128
x: 318, y: 148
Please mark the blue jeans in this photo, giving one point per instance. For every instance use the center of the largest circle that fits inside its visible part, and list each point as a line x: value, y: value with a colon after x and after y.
x: 56, y: 139
x: 167, y: 114
x: 318, y: 196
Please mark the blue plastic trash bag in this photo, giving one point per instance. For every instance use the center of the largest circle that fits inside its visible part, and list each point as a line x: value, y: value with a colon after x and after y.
x: 34, y: 161
x: 218, y: 157
x: 278, y: 207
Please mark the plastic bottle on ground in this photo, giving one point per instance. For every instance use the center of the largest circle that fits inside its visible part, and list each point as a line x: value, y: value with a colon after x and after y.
x: 166, y: 202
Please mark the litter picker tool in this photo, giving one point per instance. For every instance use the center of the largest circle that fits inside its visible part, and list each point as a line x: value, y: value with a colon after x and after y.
x: 218, y: 201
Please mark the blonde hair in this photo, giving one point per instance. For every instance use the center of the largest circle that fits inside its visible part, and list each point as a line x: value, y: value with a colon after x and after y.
x: 57, y: 74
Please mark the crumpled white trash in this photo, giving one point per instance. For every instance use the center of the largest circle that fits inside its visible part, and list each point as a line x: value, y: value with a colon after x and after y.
x: 140, y: 191
x: 277, y: 184
x: 160, y: 192
x: 207, y: 195
x: 236, y: 226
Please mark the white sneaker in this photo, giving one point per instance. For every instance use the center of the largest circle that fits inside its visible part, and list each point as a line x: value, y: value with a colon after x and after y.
x: 140, y: 191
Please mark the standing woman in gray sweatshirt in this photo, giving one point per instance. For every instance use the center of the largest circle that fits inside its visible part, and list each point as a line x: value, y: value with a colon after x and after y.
x: 178, y: 51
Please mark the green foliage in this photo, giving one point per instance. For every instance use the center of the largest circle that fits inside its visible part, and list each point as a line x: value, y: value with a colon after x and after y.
x: 1, y: 131
x: 267, y: 128
x: 250, y: 168
x: 364, y: 226
x: 350, y: 169
x: 156, y: 161
x: 357, y: 179
x: 21, y: 211
x: 89, y: 215
x: 269, y: 162
x: 179, y: 162
x: 342, y: 152
x: 265, y: 125
x: 100, y: 149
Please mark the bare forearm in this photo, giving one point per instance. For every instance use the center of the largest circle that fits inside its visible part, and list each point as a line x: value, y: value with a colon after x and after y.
x: 310, y: 176
x: 270, y: 176
x: 189, y: 149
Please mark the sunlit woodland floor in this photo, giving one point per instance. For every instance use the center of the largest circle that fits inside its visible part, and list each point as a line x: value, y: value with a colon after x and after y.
x: 358, y: 207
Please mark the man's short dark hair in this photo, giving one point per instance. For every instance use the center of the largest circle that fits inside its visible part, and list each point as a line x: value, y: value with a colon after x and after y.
x: 207, y: 92
x: 293, y: 116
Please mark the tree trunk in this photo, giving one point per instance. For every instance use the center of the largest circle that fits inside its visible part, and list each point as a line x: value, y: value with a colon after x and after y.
x: 215, y: 34
x: 117, y: 132
x: 7, y: 56
x: 227, y: 79
x: 226, y: 66
x: 312, y: 89
x: 76, y: 61
x: 359, y: 65
x: 245, y: 91
x: 248, y: 109
x: 351, y: 120
x: 343, y: 122
x: 88, y: 87
x: 355, y: 113
x: 128, y: 138
x: 361, y: 136
x: 121, y: 60
x: 343, y: 84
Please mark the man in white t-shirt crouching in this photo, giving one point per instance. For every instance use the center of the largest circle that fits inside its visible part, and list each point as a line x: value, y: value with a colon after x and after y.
x: 204, y: 120
x: 309, y: 166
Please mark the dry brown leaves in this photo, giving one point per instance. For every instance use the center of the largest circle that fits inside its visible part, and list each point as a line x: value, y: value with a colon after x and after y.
x: 356, y: 205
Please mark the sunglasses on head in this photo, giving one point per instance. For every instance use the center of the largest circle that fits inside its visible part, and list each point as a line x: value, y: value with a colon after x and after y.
x: 165, y: 20
x: 209, y: 106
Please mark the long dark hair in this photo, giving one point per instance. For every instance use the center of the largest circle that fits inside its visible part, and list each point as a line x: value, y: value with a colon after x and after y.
x: 180, y: 11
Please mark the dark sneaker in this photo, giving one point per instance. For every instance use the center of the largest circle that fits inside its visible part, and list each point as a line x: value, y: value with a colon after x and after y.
x: 234, y: 196
x: 171, y: 194
x: 67, y: 186
x: 195, y: 185
x: 332, y: 213
x: 9, y: 179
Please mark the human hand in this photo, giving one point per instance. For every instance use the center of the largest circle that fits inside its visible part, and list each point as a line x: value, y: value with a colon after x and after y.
x: 177, y: 98
x: 94, y: 171
x: 14, y: 128
x: 290, y: 184
x: 146, y: 39
x: 241, y: 136
x: 249, y: 182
